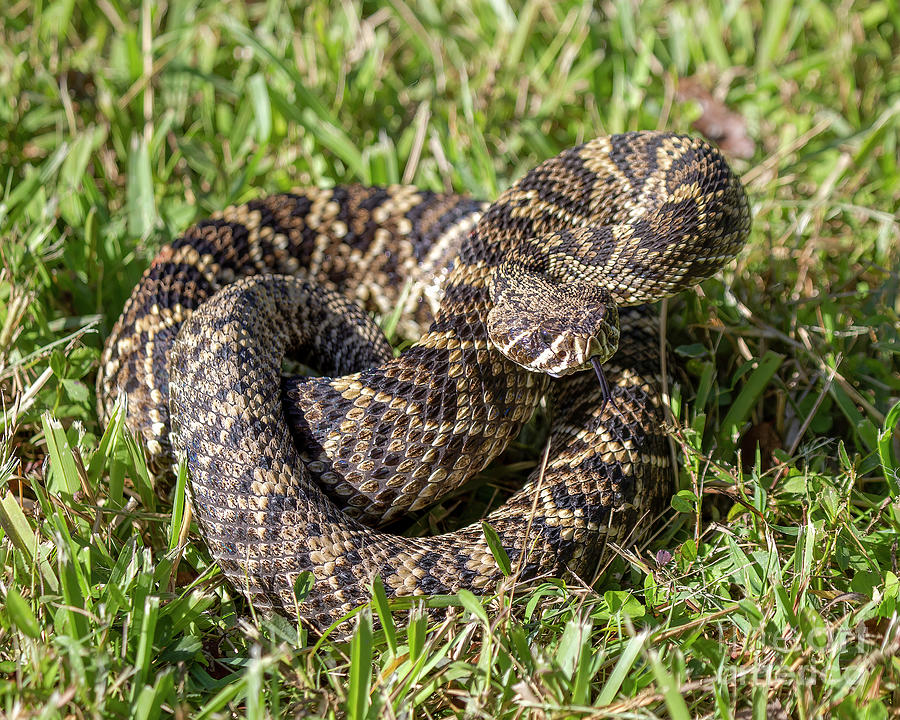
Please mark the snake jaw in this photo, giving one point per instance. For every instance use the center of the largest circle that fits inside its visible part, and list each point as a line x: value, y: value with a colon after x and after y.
x: 567, y: 353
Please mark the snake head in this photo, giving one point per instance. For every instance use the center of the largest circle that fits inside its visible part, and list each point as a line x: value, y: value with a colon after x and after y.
x: 551, y: 327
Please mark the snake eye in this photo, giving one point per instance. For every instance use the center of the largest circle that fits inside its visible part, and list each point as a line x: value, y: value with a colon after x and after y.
x: 545, y: 337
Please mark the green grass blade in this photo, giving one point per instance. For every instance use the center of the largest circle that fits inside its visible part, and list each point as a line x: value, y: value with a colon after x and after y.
x: 262, y: 108
x: 360, y: 668
x: 18, y: 531
x: 382, y: 607
x: 64, y: 473
x: 472, y: 604
x: 753, y: 388
x: 669, y: 687
x: 890, y: 465
x: 141, y: 203
x: 497, y: 550
x: 776, y: 18
x: 21, y: 614
x: 620, y: 671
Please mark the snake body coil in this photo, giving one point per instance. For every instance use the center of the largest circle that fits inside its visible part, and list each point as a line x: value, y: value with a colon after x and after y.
x: 289, y: 475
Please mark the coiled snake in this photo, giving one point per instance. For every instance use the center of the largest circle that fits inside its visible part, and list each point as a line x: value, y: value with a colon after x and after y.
x: 289, y: 475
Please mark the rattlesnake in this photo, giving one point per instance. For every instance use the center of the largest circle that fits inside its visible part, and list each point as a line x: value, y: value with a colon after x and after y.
x: 290, y: 475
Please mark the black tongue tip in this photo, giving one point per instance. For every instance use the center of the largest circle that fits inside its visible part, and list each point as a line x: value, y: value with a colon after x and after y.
x: 604, y: 386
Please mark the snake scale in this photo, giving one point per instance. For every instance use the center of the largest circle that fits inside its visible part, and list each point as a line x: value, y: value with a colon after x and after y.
x: 294, y: 474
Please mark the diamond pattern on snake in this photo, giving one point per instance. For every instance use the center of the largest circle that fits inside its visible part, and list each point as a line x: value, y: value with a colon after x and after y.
x: 531, y: 296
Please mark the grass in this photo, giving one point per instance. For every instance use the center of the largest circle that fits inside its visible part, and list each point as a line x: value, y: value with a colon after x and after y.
x: 773, y: 583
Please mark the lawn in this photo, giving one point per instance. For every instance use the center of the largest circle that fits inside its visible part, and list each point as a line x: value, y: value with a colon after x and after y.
x: 771, y: 585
